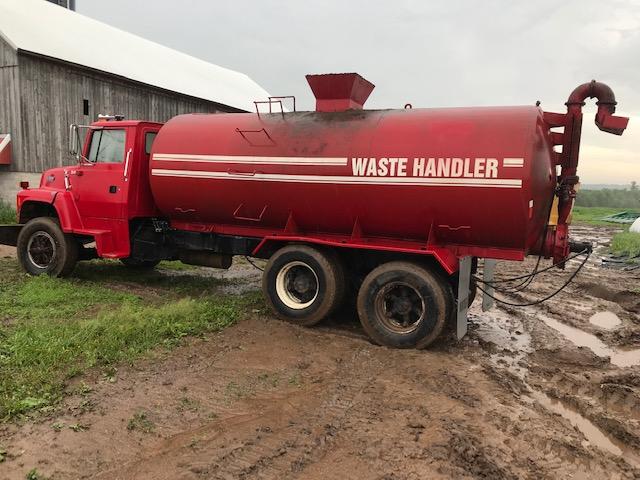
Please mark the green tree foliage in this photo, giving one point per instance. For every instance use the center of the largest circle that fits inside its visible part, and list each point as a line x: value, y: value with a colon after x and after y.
x: 619, y: 198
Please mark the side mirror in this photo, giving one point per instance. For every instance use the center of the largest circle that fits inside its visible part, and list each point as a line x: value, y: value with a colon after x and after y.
x: 74, y: 141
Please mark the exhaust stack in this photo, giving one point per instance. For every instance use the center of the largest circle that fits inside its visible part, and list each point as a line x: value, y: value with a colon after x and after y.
x: 337, y: 92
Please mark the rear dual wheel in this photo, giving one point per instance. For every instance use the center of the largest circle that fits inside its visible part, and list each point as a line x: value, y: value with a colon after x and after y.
x: 404, y: 305
x: 400, y: 304
x: 302, y: 284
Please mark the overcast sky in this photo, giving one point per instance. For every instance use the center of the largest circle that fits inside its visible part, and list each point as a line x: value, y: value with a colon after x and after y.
x: 428, y: 53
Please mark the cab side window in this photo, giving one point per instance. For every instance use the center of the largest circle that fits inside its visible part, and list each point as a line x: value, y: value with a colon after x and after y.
x: 107, y: 146
x: 148, y: 141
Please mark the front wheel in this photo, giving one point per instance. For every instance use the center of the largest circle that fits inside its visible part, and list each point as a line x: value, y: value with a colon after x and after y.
x: 44, y: 248
x: 404, y: 305
x: 302, y: 284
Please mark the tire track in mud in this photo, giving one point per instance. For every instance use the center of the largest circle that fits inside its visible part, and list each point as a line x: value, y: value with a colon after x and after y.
x: 579, y: 401
x: 262, y: 452
x: 288, y: 452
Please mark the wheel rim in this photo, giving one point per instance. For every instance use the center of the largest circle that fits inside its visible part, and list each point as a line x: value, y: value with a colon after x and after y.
x: 41, y: 249
x: 400, y: 307
x: 297, y: 285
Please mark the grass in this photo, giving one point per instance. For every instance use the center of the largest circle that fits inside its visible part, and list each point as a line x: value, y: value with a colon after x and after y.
x: 34, y: 475
x: 7, y: 213
x: 176, y: 266
x: 626, y: 243
x: 140, y: 422
x: 52, y: 330
x: 594, y: 215
x: 183, y: 282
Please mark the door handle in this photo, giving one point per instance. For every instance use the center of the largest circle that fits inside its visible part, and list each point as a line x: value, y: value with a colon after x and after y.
x: 126, y: 166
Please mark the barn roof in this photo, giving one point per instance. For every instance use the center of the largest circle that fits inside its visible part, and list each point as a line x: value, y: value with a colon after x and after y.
x: 46, y: 29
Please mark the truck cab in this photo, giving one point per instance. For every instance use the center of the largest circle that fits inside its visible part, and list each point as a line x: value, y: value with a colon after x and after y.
x: 95, y: 200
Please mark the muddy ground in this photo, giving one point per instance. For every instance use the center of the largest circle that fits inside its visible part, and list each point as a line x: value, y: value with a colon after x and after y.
x: 546, y: 391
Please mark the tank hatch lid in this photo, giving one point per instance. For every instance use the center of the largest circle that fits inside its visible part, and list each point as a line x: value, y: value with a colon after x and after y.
x: 336, y: 92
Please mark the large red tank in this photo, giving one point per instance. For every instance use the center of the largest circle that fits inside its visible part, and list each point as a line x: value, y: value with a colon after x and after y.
x: 476, y: 180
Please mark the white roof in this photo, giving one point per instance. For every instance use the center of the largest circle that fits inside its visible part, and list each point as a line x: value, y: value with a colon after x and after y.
x: 44, y: 28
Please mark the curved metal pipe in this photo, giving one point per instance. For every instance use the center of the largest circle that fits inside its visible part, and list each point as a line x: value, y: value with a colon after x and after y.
x: 605, y: 120
x: 557, y: 242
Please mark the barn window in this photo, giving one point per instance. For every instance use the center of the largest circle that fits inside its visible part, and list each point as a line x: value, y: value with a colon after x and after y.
x: 85, y: 106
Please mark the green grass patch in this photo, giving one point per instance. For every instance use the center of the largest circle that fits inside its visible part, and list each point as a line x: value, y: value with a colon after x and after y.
x: 52, y: 330
x: 7, y: 213
x: 176, y: 280
x: 176, y: 265
x: 626, y: 243
x: 140, y: 422
x: 594, y: 215
x: 45, y: 298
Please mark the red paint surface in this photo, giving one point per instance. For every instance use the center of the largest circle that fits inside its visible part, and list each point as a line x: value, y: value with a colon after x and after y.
x: 290, y: 177
x: 493, y: 221
x: 5, y: 151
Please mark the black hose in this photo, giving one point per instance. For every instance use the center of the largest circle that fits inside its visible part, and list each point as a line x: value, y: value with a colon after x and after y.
x: 525, y: 283
x: 506, y: 280
x: 529, y: 277
x: 253, y: 264
x: 539, y: 301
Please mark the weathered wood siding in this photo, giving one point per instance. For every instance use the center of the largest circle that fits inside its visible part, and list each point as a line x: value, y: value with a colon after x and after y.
x: 51, y: 98
x: 9, y: 97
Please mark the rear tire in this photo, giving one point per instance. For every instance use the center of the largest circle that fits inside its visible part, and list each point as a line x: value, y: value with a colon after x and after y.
x: 303, y: 285
x: 44, y: 248
x: 136, y: 264
x: 404, y: 305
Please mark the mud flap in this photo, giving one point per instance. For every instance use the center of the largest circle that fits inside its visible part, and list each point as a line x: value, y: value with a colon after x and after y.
x: 487, y: 276
x: 9, y: 234
x: 464, y: 278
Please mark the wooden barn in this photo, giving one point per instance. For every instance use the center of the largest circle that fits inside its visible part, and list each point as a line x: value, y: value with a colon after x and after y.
x: 58, y: 67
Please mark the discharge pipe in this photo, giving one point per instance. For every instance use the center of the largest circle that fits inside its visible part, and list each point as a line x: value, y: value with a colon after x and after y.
x: 557, y: 242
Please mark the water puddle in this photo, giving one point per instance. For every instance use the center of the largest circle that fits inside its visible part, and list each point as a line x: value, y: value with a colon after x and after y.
x: 605, y: 320
x: 507, y: 333
x: 592, y: 433
x: 580, y: 338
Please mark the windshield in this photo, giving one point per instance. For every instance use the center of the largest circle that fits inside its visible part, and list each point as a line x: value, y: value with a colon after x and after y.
x: 107, y: 146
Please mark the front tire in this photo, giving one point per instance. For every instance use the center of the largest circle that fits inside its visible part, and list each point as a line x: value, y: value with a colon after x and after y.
x: 303, y: 285
x: 404, y: 305
x: 43, y: 248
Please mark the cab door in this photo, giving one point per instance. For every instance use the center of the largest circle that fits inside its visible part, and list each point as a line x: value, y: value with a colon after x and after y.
x: 100, y: 185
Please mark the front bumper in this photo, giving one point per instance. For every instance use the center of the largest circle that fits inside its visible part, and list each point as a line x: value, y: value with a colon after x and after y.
x: 9, y: 234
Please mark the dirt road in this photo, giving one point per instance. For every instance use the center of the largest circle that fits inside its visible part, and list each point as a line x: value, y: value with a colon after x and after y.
x: 543, y: 392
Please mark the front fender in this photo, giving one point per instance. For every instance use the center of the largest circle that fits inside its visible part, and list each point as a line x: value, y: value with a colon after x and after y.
x: 53, y: 201
x: 68, y: 214
x: 36, y: 195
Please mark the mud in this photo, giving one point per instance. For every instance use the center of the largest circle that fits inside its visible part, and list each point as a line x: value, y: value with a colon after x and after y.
x: 540, y: 392
x: 605, y: 320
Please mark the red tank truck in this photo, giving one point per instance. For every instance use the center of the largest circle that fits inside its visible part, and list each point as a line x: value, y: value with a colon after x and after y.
x: 388, y: 201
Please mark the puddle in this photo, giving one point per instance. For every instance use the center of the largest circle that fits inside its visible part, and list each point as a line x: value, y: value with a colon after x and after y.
x: 506, y: 332
x: 500, y: 328
x: 605, y: 320
x: 620, y: 358
x: 592, y: 433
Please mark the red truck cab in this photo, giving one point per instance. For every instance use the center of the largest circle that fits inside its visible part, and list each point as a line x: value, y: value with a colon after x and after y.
x: 98, y: 198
